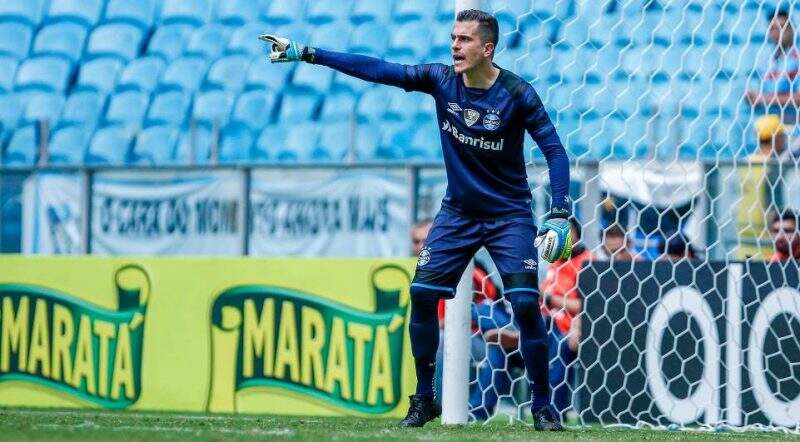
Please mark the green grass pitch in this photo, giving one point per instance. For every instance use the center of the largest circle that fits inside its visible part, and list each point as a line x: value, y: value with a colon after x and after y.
x: 67, y: 425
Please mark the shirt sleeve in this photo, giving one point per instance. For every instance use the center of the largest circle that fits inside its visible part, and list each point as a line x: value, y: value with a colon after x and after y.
x: 422, y: 78
x: 541, y: 129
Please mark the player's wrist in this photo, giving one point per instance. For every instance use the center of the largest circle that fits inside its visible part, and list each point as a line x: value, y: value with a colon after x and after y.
x: 308, y: 54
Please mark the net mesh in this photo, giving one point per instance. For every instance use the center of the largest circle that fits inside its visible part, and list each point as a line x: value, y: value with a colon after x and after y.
x: 681, y: 119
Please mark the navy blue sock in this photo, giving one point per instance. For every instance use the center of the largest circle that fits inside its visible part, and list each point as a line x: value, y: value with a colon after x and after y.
x: 532, y: 345
x: 424, y: 331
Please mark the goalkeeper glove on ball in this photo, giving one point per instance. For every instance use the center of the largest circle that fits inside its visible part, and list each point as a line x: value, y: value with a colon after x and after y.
x: 555, y: 237
x: 283, y: 50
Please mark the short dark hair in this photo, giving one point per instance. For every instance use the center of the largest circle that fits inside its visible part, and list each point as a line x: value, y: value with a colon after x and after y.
x: 785, y: 215
x: 781, y: 12
x: 490, y: 30
x: 615, y: 230
x: 577, y: 226
x: 678, y: 245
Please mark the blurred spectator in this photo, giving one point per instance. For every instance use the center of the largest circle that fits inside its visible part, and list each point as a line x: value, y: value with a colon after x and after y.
x: 777, y: 90
x: 418, y: 234
x: 786, y: 237
x: 678, y: 247
x: 616, y: 244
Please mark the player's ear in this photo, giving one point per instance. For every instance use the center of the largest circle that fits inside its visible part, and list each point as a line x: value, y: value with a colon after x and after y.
x: 488, y: 49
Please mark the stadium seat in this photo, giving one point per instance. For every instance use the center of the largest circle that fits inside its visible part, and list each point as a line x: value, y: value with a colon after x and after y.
x: 208, y: 41
x: 142, y: 74
x: 370, y: 10
x: 372, y: 104
x: 68, y: 144
x: 265, y: 75
x: 120, y: 40
x: 10, y: 111
x: 334, y: 37
x: 237, y: 12
x: 325, y: 11
x: 441, y: 43
x: 44, y: 73
x: 354, y: 85
x: 64, y: 39
x: 155, y: 146
x: 404, y: 106
x: 194, y: 146
x: 8, y: 67
x: 236, y: 140
x: 313, y: 77
x: 99, y: 74
x: 127, y: 107
x: 366, y: 141
x: 140, y: 13
x: 408, y: 10
x: 338, y: 106
x: 334, y: 142
x: 23, y: 147
x: 83, y: 107
x: 371, y: 38
x: 168, y: 41
x: 15, y: 39
x: 110, y: 146
x: 395, y: 136
x: 411, y: 39
x: 298, y: 106
x: 84, y: 12
x: 425, y: 145
x: 192, y: 12
x: 28, y: 12
x: 254, y: 108
x: 284, y: 11
x: 229, y: 73
x: 43, y: 106
x: 300, y: 142
x: 169, y: 107
x: 185, y: 73
x: 212, y: 107
x: 269, y: 142
x: 243, y: 40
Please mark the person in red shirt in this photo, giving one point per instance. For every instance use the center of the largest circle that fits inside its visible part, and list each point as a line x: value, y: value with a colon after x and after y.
x: 786, y: 236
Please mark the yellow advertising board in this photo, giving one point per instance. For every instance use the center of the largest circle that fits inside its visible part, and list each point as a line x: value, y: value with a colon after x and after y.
x: 284, y: 336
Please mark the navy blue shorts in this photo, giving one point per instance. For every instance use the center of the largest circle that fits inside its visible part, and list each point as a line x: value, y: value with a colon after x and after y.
x: 454, y: 239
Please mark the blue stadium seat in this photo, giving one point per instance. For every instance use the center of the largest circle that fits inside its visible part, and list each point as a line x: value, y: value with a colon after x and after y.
x: 208, y: 41
x: 84, y: 12
x: 325, y: 11
x: 10, y: 111
x: 26, y: 11
x: 68, y: 144
x: 212, y: 107
x: 269, y: 142
x: 297, y: 31
x: 446, y: 12
x: 313, y: 77
x: 265, y: 75
x: 395, y: 136
x: 120, y: 40
x: 254, y: 108
x: 142, y: 74
x: 236, y: 140
x: 370, y: 38
x: 169, y: 107
x: 127, y: 107
x: 168, y: 41
x: 8, y: 67
x: 140, y: 13
x: 284, y: 11
x: 64, y: 39
x: 23, y: 147
x: 441, y: 42
x: 155, y: 146
x: 45, y: 73
x: 15, y: 39
x: 100, y: 74
x: 370, y: 10
x: 425, y: 144
x: 110, y: 146
x: 194, y: 146
x: 83, y: 107
x: 43, y: 106
x: 338, y: 106
x: 404, y: 105
x: 298, y: 106
x: 301, y: 140
x: 536, y: 66
x: 334, y: 142
x: 237, y: 12
x: 193, y: 12
x: 244, y: 40
x: 185, y: 73
x: 350, y: 83
x: 412, y: 39
x: 332, y: 36
x: 367, y: 138
x: 229, y: 73
x: 372, y: 104
x: 408, y: 10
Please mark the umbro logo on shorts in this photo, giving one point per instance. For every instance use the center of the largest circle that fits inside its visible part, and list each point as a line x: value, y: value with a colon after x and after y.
x: 530, y: 264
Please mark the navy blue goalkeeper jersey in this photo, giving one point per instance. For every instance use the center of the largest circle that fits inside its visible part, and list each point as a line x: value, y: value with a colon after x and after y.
x: 482, y: 133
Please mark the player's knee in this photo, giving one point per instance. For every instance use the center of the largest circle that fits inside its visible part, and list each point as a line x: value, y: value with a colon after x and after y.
x: 424, y: 302
x: 524, y: 303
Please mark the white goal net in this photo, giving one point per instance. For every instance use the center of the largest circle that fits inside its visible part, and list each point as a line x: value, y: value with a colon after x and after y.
x: 680, y: 118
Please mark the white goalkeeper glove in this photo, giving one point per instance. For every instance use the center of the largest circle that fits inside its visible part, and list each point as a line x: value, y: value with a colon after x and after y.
x: 284, y: 50
x: 555, y: 237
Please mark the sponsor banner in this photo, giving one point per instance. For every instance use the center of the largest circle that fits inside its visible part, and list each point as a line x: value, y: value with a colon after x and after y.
x: 703, y: 343
x: 329, y: 213
x: 258, y: 337
x: 52, y: 223
x: 198, y: 213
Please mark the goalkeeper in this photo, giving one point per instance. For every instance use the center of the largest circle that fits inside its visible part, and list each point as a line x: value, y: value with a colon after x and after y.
x: 483, y: 112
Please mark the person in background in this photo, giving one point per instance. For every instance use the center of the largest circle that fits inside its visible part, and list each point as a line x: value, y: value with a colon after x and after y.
x: 678, y: 247
x: 615, y: 244
x: 786, y: 236
x: 418, y: 234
